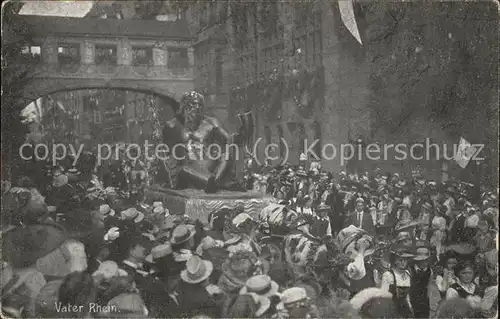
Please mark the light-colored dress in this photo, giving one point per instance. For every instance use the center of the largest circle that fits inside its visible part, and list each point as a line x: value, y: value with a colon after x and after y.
x: 439, y: 226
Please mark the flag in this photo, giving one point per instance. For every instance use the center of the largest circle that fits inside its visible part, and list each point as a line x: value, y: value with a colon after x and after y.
x: 347, y: 16
x: 464, y: 154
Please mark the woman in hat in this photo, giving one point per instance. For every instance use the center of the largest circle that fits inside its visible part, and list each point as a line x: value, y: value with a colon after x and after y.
x: 425, y: 217
x: 446, y: 277
x: 439, y: 226
x: 465, y: 287
x: 295, y: 303
x: 398, y: 281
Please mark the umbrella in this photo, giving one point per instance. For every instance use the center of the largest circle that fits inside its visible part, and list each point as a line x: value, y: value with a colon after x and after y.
x: 22, y: 246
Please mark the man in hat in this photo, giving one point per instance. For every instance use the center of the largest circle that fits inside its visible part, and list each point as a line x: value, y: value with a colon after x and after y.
x: 196, y: 294
x: 361, y: 218
x: 320, y: 225
x: 421, y: 275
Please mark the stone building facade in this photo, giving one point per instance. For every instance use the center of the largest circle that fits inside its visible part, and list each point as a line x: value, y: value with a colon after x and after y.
x: 292, y: 63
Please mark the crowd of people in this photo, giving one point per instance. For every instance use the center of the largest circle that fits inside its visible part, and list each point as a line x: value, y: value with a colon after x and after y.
x: 348, y: 245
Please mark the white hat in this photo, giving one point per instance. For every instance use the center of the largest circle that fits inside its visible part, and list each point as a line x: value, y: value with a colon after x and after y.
x: 109, y: 269
x: 197, y: 270
x: 240, y: 219
x: 292, y: 295
x: 422, y: 253
x: 157, y: 204
x: 106, y: 210
x: 262, y: 285
x: 159, y: 252
x: 366, y: 295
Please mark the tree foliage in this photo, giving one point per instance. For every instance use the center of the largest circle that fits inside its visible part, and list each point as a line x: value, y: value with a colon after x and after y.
x: 16, y: 74
x: 434, y: 66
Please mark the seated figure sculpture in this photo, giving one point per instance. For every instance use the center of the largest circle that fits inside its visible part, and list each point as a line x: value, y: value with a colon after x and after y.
x: 202, y: 152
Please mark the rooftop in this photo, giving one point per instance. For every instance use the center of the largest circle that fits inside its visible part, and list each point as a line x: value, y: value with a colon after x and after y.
x: 47, y: 25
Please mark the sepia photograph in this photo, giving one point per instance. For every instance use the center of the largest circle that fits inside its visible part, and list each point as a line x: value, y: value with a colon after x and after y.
x: 249, y: 159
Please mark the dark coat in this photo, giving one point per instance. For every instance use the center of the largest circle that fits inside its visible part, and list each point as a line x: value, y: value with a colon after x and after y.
x: 195, y: 300
x: 367, y: 224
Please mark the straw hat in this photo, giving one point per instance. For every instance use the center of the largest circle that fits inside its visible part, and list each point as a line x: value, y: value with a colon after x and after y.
x: 293, y: 295
x: 262, y: 285
x: 182, y: 234
x: 109, y: 269
x: 197, y: 270
x: 157, y: 204
x: 365, y: 295
x: 401, y: 251
x: 360, y: 200
x: 106, y: 210
x: 240, y: 219
x: 158, y: 252
x: 422, y: 253
x: 132, y: 214
x: 128, y: 303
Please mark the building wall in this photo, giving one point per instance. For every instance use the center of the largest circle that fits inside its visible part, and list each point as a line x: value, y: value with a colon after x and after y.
x: 340, y: 67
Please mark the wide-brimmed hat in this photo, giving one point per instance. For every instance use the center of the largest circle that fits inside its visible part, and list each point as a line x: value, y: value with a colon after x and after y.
x: 59, y: 180
x: 422, y: 253
x: 197, y: 270
x: 157, y: 204
x: 293, y: 295
x: 407, y: 226
x: 132, y: 214
x: 130, y: 304
x: 158, y: 252
x: 365, y: 295
x: 262, y: 285
x: 427, y: 206
x: 347, y: 235
x: 182, y: 234
x: 323, y: 208
x: 109, y: 269
x: 74, y: 171
x: 240, y: 219
x: 106, y: 210
x: 360, y: 200
x: 401, y: 251
x: 462, y: 249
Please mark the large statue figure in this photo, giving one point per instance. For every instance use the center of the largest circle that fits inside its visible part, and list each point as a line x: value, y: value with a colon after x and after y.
x: 202, y: 152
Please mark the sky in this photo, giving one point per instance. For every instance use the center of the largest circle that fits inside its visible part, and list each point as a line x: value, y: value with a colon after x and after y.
x: 57, y: 8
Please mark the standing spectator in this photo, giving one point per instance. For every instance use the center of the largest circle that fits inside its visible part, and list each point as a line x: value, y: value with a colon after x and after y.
x: 465, y: 287
x: 398, y: 281
x: 421, y: 275
x: 438, y: 226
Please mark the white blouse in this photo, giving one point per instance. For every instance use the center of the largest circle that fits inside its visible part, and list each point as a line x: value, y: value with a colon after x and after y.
x: 403, y: 279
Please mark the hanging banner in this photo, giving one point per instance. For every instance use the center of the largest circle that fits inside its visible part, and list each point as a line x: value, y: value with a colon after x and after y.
x: 347, y: 15
x: 464, y: 154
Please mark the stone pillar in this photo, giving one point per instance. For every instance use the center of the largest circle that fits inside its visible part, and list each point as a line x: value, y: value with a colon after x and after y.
x: 88, y: 52
x: 124, y: 52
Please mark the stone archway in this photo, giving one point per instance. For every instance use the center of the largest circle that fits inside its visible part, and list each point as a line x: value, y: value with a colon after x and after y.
x: 40, y: 87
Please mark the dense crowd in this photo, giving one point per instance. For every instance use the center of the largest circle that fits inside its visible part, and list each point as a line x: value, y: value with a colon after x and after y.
x: 352, y: 245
